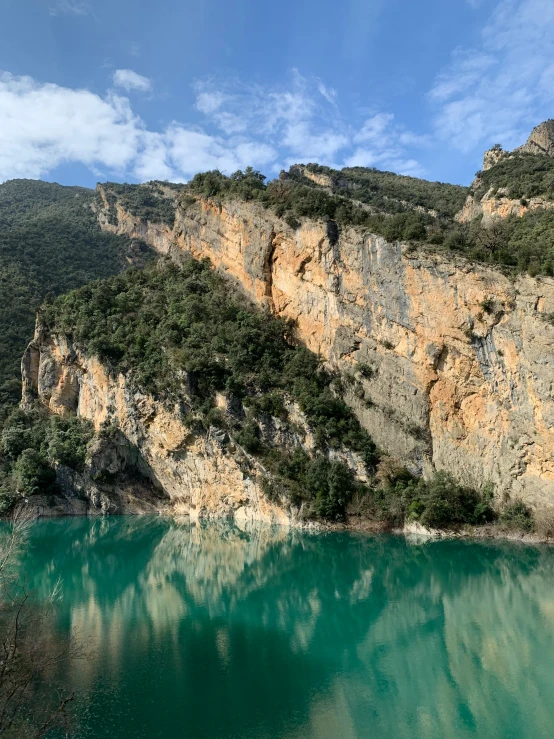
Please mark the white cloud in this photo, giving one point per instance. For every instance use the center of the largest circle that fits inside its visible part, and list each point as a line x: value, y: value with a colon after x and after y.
x: 45, y: 125
x: 303, y: 122
x: 374, y: 127
x: 327, y: 92
x: 128, y: 80
x: 70, y: 7
x: 503, y: 87
x: 209, y: 102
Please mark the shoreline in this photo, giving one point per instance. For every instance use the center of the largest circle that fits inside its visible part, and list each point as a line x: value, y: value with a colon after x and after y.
x: 411, y: 531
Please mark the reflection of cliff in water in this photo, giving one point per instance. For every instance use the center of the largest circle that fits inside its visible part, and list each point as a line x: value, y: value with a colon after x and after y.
x: 243, y: 633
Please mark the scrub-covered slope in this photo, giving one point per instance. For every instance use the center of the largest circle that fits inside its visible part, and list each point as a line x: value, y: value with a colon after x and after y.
x: 50, y: 242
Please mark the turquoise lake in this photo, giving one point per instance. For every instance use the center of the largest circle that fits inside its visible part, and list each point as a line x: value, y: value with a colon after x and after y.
x: 210, y: 631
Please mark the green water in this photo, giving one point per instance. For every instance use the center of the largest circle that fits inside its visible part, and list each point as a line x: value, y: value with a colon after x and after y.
x: 213, y: 632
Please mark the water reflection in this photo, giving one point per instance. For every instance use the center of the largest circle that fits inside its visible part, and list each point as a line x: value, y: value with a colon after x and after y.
x: 212, y: 631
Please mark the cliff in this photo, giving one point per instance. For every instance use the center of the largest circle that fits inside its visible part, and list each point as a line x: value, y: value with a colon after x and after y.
x: 494, y: 205
x: 448, y: 365
x: 176, y: 465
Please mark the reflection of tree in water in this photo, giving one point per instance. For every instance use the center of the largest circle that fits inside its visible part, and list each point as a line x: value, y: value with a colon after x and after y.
x: 213, y: 631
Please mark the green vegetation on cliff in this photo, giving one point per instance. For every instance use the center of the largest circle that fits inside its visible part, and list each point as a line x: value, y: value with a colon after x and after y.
x: 293, y: 200
x: 387, y: 191
x: 518, y: 176
x: 520, y: 244
x: 183, y: 334
x: 50, y: 242
x: 32, y: 444
x: 523, y: 244
x: 147, y: 201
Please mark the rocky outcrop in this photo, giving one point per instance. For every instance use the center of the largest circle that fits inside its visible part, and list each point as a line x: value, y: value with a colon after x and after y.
x: 541, y: 140
x: 150, y: 456
x: 448, y: 365
x: 494, y: 206
x: 493, y: 156
x: 495, y: 203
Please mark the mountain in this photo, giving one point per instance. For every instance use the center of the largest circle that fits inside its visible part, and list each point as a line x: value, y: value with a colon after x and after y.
x: 330, y: 344
x: 50, y: 242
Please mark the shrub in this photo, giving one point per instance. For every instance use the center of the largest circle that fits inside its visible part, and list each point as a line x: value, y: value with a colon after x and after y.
x: 436, y: 503
x: 249, y: 438
x: 517, y: 516
x: 32, y: 444
x: 8, y: 500
x: 487, y: 305
x: 446, y: 502
x: 366, y: 370
x: 323, y: 485
x: 32, y: 474
x: 66, y: 441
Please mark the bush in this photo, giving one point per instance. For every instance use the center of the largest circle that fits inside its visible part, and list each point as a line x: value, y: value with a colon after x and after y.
x: 323, y: 486
x: 32, y: 445
x: 32, y: 474
x: 249, y: 438
x: 436, y: 503
x: 517, y: 516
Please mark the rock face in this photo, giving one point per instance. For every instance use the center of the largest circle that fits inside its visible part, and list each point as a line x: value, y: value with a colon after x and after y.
x: 448, y: 365
x: 200, y: 475
x: 541, y: 140
x: 492, y: 157
x: 193, y: 473
x: 491, y: 207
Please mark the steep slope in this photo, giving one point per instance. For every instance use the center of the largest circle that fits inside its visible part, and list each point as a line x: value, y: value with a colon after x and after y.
x: 214, y: 402
x: 514, y: 183
x: 50, y: 242
x: 384, y: 192
x: 199, y: 381
x: 447, y: 364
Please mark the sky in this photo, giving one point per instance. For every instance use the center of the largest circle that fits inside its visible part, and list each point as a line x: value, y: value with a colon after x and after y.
x: 135, y: 90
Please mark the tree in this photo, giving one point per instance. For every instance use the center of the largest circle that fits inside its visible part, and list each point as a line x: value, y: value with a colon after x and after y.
x: 33, y: 474
x: 31, y: 707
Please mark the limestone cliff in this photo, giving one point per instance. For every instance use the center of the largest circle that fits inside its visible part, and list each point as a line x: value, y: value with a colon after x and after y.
x: 191, y: 471
x: 495, y: 205
x: 448, y: 365
x: 541, y: 140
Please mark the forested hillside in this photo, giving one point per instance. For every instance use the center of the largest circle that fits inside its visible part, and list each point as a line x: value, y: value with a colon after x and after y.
x: 50, y: 242
x: 385, y: 191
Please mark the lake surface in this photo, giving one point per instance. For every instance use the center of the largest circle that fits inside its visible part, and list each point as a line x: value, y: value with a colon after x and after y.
x: 213, y: 632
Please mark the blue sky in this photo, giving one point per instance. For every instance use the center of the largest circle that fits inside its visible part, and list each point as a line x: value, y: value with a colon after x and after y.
x: 132, y: 90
